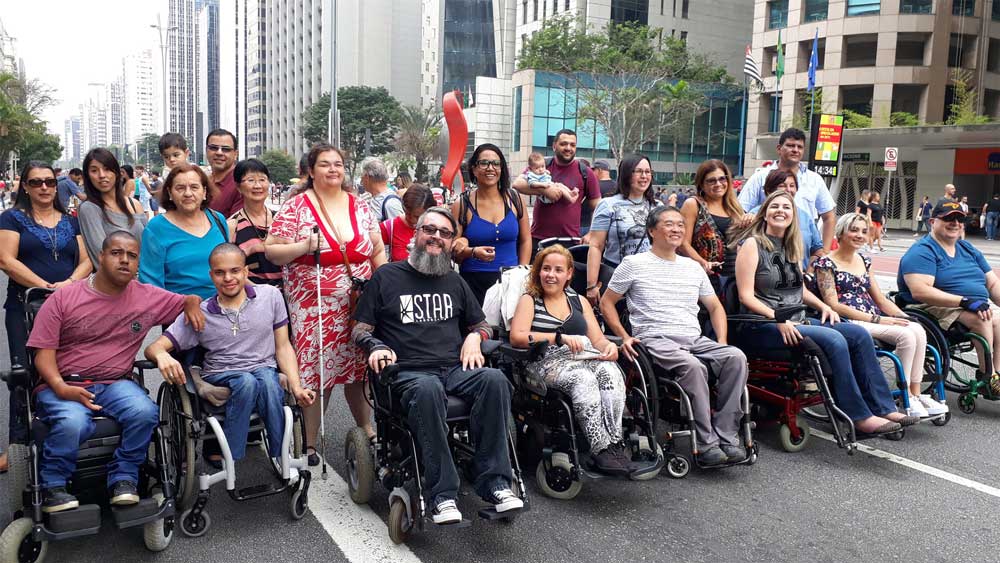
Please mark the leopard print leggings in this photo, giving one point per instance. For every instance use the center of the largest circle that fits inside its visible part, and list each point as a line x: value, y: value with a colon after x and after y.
x: 597, y: 389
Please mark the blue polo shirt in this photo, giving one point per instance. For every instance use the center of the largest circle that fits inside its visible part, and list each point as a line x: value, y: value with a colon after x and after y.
x: 964, y: 274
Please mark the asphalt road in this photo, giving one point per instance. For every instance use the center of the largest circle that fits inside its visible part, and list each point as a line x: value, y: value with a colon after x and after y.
x: 936, y: 501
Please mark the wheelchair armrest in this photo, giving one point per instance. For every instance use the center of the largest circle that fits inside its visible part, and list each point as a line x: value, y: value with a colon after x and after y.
x: 782, y: 314
x: 749, y: 318
x: 18, y: 376
x: 489, y: 347
x: 616, y: 340
x: 387, y: 376
x: 144, y: 365
x: 531, y: 353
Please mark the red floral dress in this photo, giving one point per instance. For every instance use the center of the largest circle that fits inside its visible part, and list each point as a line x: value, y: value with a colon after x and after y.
x: 344, y: 361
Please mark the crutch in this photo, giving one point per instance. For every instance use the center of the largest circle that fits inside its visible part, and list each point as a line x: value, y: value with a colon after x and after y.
x: 322, y: 355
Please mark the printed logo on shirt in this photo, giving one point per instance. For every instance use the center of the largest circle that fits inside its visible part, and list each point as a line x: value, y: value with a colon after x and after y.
x: 136, y: 326
x: 425, y: 308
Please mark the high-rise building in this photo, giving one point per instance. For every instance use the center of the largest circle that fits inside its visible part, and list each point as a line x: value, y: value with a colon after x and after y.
x: 143, y: 94
x: 207, y: 116
x: 8, y: 52
x: 95, y: 116
x: 182, y: 65
x: 459, y: 44
x: 242, y: 65
x: 72, y: 140
x: 875, y: 57
x: 115, y: 97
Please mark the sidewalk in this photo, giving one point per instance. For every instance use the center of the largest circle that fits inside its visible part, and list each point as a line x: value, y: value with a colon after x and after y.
x: 900, y: 240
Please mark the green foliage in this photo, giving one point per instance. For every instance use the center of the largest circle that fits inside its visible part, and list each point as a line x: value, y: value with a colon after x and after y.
x: 417, y: 137
x: 801, y: 119
x: 964, y: 105
x: 39, y: 145
x: 21, y: 128
x: 362, y: 108
x: 903, y: 119
x: 315, y: 120
x: 148, y: 149
x: 281, y: 166
x: 855, y: 120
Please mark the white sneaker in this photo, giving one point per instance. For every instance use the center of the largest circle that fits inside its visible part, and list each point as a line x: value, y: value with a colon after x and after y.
x: 933, y: 407
x: 505, y: 499
x: 446, y: 512
x: 916, y: 408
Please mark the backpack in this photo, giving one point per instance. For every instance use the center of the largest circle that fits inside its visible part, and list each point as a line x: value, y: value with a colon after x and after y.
x: 465, y: 204
x: 583, y: 173
x: 382, y: 216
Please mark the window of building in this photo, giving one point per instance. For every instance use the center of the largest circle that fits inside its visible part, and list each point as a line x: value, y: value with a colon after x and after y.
x: 916, y: 7
x: 863, y: 7
x: 555, y: 7
x: 805, y: 52
x: 859, y: 50
x: 524, y: 12
x: 815, y: 10
x: 566, y: 7
x: 911, y: 49
x: 518, y: 92
x: 996, y: 11
x: 684, y: 9
x: 662, y: 2
x: 535, y: 4
x: 777, y: 14
x: 962, y: 50
x: 963, y: 7
x: 623, y: 11
x: 684, y: 36
x: 993, y: 56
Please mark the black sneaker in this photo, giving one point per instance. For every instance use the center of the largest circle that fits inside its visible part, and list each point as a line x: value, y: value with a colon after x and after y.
x: 712, y: 456
x: 57, y: 499
x: 611, y: 461
x: 124, y: 493
x: 734, y: 453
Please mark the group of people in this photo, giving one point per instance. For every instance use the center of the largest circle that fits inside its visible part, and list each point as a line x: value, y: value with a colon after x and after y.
x: 240, y: 291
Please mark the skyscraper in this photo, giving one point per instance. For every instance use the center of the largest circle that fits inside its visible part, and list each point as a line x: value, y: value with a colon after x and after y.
x: 115, y: 97
x: 242, y: 66
x: 95, y: 117
x: 72, y: 140
x: 459, y: 45
x: 143, y: 93
x: 207, y: 117
x: 182, y: 65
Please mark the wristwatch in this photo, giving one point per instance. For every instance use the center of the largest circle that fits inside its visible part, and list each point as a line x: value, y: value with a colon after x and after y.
x: 559, y: 338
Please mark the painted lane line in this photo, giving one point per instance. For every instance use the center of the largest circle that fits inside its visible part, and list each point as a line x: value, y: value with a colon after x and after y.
x: 927, y: 469
x: 359, y: 533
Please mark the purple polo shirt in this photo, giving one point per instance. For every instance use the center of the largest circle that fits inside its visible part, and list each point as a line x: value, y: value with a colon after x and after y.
x: 252, y: 346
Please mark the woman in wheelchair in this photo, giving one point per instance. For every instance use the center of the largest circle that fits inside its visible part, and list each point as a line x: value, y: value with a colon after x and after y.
x: 768, y: 277
x: 846, y: 285
x: 581, y: 362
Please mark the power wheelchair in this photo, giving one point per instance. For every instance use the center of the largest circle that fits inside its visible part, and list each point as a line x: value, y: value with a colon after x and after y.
x: 26, y: 538
x: 394, y: 458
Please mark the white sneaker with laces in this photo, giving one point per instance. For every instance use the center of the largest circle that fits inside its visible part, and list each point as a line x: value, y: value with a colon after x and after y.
x: 505, y: 499
x: 933, y: 407
x: 446, y: 512
x: 916, y: 408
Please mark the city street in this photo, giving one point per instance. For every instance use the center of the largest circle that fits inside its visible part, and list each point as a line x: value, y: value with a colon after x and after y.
x: 930, y: 497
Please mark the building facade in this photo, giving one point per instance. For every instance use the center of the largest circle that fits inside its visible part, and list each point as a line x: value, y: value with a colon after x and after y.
x: 459, y: 44
x: 115, y: 97
x: 243, y: 60
x: 72, y: 140
x: 207, y: 116
x: 876, y: 57
x: 182, y: 65
x: 143, y: 94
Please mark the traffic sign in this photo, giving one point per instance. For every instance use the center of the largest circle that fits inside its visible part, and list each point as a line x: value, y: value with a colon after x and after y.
x: 891, y: 159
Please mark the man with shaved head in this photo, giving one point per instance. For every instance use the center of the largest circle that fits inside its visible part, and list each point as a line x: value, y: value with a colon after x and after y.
x: 246, y: 342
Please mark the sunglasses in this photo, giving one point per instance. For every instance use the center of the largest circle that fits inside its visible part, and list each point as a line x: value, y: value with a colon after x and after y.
x: 442, y: 232
x: 952, y: 218
x: 220, y: 148
x: 487, y: 163
x: 37, y: 182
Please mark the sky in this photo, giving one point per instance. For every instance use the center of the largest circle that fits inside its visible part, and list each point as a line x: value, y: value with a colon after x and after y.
x: 70, y: 43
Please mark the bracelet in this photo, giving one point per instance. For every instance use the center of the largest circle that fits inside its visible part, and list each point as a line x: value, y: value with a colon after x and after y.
x: 878, y: 319
x: 595, y: 286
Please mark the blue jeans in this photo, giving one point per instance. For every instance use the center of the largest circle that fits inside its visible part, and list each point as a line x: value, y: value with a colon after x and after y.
x: 70, y: 424
x: 257, y: 390
x: 424, y: 399
x: 855, y: 379
x: 992, y: 221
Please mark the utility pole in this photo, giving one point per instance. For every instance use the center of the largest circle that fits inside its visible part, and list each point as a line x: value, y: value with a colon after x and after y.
x: 333, y: 119
x: 163, y: 61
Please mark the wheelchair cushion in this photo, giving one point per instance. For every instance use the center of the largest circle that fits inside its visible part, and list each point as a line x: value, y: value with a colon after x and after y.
x: 458, y: 408
x: 105, y: 427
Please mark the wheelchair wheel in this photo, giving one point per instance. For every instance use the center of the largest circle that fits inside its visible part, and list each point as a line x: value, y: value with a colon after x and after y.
x: 963, y: 369
x: 300, y: 503
x: 17, y: 480
x: 399, y: 521
x: 557, y: 481
x: 360, y: 465
x: 156, y: 535
x: 175, y: 416
x: 790, y: 444
x: 967, y: 403
x: 195, y: 526
x: 16, y: 543
x: 941, y: 421
x: 678, y: 466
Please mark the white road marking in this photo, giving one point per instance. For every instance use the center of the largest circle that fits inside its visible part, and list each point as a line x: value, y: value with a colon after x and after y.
x: 356, y: 529
x: 932, y: 471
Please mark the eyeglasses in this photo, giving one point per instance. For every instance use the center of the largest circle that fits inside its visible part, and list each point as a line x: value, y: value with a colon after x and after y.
x: 487, y: 163
x: 255, y: 181
x: 952, y: 218
x: 442, y: 232
x: 220, y: 148
x: 37, y: 182
x: 719, y: 180
x: 643, y: 172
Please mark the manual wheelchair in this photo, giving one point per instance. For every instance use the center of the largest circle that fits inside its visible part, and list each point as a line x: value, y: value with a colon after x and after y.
x: 26, y: 538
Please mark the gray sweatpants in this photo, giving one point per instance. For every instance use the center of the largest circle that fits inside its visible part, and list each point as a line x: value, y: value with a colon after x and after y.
x: 686, y: 359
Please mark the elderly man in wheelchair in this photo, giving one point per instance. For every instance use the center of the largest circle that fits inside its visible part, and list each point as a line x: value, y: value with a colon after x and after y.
x: 421, y: 315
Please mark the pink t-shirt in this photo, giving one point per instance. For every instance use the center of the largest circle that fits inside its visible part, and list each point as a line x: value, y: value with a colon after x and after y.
x: 97, y: 336
x: 562, y: 219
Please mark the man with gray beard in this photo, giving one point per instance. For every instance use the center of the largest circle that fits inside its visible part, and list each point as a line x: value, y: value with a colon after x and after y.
x: 422, y: 315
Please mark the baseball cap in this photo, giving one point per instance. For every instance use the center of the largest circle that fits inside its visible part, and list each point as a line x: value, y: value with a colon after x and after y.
x: 601, y: 165
x: 947, y: 208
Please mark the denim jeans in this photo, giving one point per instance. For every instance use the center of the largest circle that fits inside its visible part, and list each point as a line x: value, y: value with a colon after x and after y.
x: 70, y: 424
x: 992, y: 221
x: 424, y: 400
x: 257, y: 390
x: 17, y: 337
x: 856, y: 379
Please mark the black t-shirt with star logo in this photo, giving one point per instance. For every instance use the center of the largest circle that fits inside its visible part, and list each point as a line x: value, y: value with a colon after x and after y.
x: 424, y: 319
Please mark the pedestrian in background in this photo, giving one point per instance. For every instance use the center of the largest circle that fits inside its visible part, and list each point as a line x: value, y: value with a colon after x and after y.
x: 992, y: 211
x: 924, y: 214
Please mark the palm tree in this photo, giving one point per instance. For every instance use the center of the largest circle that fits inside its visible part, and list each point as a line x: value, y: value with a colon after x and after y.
x: 417, y: 136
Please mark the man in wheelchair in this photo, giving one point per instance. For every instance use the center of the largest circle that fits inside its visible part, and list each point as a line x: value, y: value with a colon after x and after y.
x: 662, y: 291
x: 246, y: 341
x: 420, y: 314
x: 85, y: 339
x: 951, y: 281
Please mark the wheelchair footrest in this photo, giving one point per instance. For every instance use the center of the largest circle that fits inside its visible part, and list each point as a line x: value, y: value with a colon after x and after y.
x: 490, y: 513
x: 144, y: 511
x: 430, y: 525
x: 84, y: 519
x: 257, y: 491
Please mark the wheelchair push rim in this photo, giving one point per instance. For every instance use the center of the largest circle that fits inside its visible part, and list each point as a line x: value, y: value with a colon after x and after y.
x: 175, y: 414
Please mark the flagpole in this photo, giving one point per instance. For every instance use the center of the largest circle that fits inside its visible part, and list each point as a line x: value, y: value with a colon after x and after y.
x: 743, y: 125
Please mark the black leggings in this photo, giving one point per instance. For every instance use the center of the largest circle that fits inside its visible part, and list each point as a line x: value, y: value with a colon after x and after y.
x: 17, y: 338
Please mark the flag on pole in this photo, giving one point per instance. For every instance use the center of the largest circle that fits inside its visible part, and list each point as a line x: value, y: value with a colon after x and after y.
x: 813, y: 63
x: 750, y: 68
x: 779, y: 67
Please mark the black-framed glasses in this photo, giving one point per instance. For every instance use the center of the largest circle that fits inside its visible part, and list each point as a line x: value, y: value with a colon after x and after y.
x: 38, y: 182
x: 955, y: 218
x: 442, y: 232
x: 220, y: 148
x: 487, y: 163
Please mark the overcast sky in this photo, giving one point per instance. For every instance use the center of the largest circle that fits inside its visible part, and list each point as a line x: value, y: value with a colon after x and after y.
x: 70, y: 43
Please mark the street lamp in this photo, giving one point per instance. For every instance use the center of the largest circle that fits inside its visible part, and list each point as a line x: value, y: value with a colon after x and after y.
x: 163, y: 62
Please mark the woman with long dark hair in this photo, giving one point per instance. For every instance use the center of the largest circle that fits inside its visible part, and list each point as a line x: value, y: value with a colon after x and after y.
x: 618, y: 228
x: 109, y: 206
x: 40, y: 246
x: 707, y: 219
x: 493, y: 226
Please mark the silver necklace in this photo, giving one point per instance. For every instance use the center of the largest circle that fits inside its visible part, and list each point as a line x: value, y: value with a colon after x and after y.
x: 52, y: 236
x: 235, y: 320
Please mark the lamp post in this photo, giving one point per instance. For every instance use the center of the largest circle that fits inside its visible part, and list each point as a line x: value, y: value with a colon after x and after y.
x: 333, y: 119
x: 163, y: 62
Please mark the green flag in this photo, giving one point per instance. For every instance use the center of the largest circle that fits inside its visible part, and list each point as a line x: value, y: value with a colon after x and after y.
x: 779, y: 69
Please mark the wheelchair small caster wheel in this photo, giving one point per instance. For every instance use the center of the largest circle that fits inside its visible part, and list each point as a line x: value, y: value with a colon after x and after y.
x: 16, y: 543
x: 942, y: 420
x: 754, y: 451
x: 678, y: 467
x: 195, y: 526
x: 967, y: 403
x: 299, y: 504
x: 896, y: 436
x: 788, y: 442
x: 399, y: 521
x: 557, y: 481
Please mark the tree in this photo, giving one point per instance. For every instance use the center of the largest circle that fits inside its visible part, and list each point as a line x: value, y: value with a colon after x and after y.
x: 39, y: 145
x: 315, y: 120
x: 281, y: 166
x: 148, y: 150
x: 20, y: 106
x: 965, y: 103
x: 620, y: 77
x: 903, y: 119
x: 855, y: 120
x: 682, y: 102
x: 418, y: 135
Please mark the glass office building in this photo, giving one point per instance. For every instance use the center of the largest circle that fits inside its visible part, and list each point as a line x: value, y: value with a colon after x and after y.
x: 469, y: 49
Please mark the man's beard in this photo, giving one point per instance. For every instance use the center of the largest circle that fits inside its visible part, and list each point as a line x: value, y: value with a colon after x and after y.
x: 430, y: 264
x: 561, y: 160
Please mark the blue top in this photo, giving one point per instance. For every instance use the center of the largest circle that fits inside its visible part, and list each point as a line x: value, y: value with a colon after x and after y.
x: 925, y: 210
x: 964, y: 275
x: 502, y: 237
x: 176, y: 260
x: 34, y: 250
x: 811, y: 239
x: 67, y: 188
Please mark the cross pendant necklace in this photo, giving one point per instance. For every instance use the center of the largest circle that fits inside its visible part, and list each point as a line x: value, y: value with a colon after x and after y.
x: 236, y: 319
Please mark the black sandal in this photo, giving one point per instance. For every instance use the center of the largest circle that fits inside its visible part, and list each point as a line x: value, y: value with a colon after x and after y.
x: 312, y: 458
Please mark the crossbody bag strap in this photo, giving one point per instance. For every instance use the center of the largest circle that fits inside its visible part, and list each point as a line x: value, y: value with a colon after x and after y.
x: 335, y: 235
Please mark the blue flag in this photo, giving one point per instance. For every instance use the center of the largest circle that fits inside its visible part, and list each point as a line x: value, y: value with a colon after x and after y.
x: 813, y: 63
